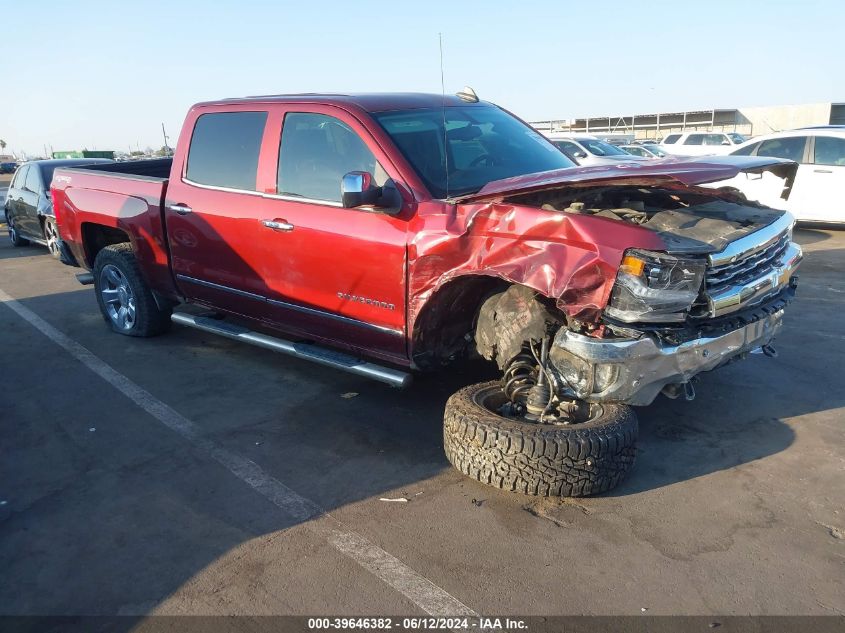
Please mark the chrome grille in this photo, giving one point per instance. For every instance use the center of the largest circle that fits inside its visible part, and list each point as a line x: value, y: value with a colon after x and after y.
x: 746, y: 268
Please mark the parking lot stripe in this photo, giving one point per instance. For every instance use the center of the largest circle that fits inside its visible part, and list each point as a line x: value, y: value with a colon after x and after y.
x: 430, y: 598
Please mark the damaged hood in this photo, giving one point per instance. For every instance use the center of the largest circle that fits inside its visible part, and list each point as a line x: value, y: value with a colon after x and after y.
x: 677, y: 170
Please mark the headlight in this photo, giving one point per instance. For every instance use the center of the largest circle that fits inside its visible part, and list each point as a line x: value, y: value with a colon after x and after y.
x: 654, y: 287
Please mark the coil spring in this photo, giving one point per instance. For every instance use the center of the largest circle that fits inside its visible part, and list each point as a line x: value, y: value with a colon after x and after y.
x: 520, y: 376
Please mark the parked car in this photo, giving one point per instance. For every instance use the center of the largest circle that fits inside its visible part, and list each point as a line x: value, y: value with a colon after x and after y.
x: 701, y: 143
x: 644, y: 141
x: 28, y: 208
x: 818, y: 192
x: 408, y: 230
x: 590, y: 150
x: 8, y: 168
x: 645, y: 151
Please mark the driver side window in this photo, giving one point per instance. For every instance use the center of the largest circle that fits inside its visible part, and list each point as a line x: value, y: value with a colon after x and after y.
x: 316, y: 151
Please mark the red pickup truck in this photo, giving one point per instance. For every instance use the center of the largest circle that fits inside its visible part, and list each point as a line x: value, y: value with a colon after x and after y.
x: 386, y: 234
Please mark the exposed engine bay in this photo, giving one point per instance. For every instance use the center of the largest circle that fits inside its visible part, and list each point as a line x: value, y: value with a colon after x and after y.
x: 688, y: 220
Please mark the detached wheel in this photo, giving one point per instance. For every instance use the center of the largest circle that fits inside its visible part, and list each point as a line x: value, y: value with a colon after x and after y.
x: 51, y: 236
x: 579, y: 459
x: 125, y: 299
x: 14, y: 236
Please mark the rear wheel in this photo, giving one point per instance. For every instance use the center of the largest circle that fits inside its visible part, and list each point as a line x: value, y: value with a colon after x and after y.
x: 51, y: 236
x: 14, y: 236
x: 589, y: 455
x: 125, y: 300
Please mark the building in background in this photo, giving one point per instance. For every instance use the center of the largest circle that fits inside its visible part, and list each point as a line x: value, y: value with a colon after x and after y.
x: 746, y: 121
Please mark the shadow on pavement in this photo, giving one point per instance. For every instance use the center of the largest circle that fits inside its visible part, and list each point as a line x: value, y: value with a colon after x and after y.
x: 117, y: 519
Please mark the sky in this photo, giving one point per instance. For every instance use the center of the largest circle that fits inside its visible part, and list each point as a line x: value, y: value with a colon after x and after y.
x: 106, y: 74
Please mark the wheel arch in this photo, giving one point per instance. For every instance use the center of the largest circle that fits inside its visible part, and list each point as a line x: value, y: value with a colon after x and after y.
x: 95, y: 237
x: 445, y: 325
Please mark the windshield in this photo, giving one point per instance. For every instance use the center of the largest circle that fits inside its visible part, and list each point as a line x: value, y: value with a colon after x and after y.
x: 483, y: 144
x: 654, y: 149
x: 737, y: 138
x: 600, y: 148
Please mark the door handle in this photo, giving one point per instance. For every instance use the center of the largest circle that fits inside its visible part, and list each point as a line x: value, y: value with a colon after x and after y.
x: 181, y: 209
x: 823, y: 171
x: 278, y: 225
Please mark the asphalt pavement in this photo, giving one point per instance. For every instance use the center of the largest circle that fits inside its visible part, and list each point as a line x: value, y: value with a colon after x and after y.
x: 188, y: 474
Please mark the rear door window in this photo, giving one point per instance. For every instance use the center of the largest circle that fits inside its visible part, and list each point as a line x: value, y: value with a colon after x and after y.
x: 570, y: 149
x: 829, y: 151
x: 20, y: 177
x: 316, y: 151
x: 224, y: 149
x: 715, y: 139
x: 790, y: 147
x: 33, y: 179
x: 672, y: 138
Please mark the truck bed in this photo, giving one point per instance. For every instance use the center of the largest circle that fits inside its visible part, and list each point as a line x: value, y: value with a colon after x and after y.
x: 109, y: 202
x: 158, y: 169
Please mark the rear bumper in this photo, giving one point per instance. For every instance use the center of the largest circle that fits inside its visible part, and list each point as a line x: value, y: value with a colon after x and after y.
x: 634, y: 371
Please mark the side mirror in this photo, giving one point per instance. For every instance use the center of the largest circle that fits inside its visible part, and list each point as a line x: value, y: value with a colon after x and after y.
x: 357, y: 190
x: 580, y: 154
x: 726, y: 142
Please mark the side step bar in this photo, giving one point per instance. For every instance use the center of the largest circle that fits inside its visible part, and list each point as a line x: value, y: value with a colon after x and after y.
x: 309, y: 351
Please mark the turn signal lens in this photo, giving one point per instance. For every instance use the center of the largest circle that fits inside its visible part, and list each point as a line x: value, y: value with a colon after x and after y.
x: 632, y: 265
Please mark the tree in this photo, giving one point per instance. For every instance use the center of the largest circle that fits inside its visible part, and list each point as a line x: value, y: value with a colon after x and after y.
x: 2, y: 144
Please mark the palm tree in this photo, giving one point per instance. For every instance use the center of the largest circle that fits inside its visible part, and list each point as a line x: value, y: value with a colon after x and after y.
x: 2, y: 144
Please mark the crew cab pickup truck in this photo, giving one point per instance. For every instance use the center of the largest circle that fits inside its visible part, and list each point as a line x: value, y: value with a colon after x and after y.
x: 393, y: 233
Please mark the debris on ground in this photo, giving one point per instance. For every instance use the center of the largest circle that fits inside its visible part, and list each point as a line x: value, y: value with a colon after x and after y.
x: 477, y: 502
x: 834, y: 531
x: 396, y: 500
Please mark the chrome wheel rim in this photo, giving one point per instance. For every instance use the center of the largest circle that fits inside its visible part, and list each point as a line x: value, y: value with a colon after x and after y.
x: 52, y: 237
x: 118, y: 297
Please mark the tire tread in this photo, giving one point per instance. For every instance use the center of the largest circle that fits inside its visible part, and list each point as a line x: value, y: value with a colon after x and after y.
x: 535, y: 459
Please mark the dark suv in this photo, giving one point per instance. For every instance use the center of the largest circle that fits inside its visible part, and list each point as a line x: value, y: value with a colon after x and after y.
x: 28, y: 208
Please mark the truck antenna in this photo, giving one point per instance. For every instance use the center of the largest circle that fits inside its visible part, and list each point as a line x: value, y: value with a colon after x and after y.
x: 443, y: 109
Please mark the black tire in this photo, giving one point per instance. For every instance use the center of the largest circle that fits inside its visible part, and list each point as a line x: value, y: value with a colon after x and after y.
x: 51, y: 236
x: 149, y: 319
x: 14, y: 236
x: 538, y: 459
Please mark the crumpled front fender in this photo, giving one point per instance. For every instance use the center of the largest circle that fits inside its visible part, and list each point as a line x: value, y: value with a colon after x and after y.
x: 572, y: 259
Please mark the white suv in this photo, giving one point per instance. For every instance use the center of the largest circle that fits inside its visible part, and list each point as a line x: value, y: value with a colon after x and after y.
x: 818, y: 193
x: 701, y: 143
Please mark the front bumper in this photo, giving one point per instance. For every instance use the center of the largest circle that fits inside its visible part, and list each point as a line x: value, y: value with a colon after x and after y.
x: 634, y: 371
